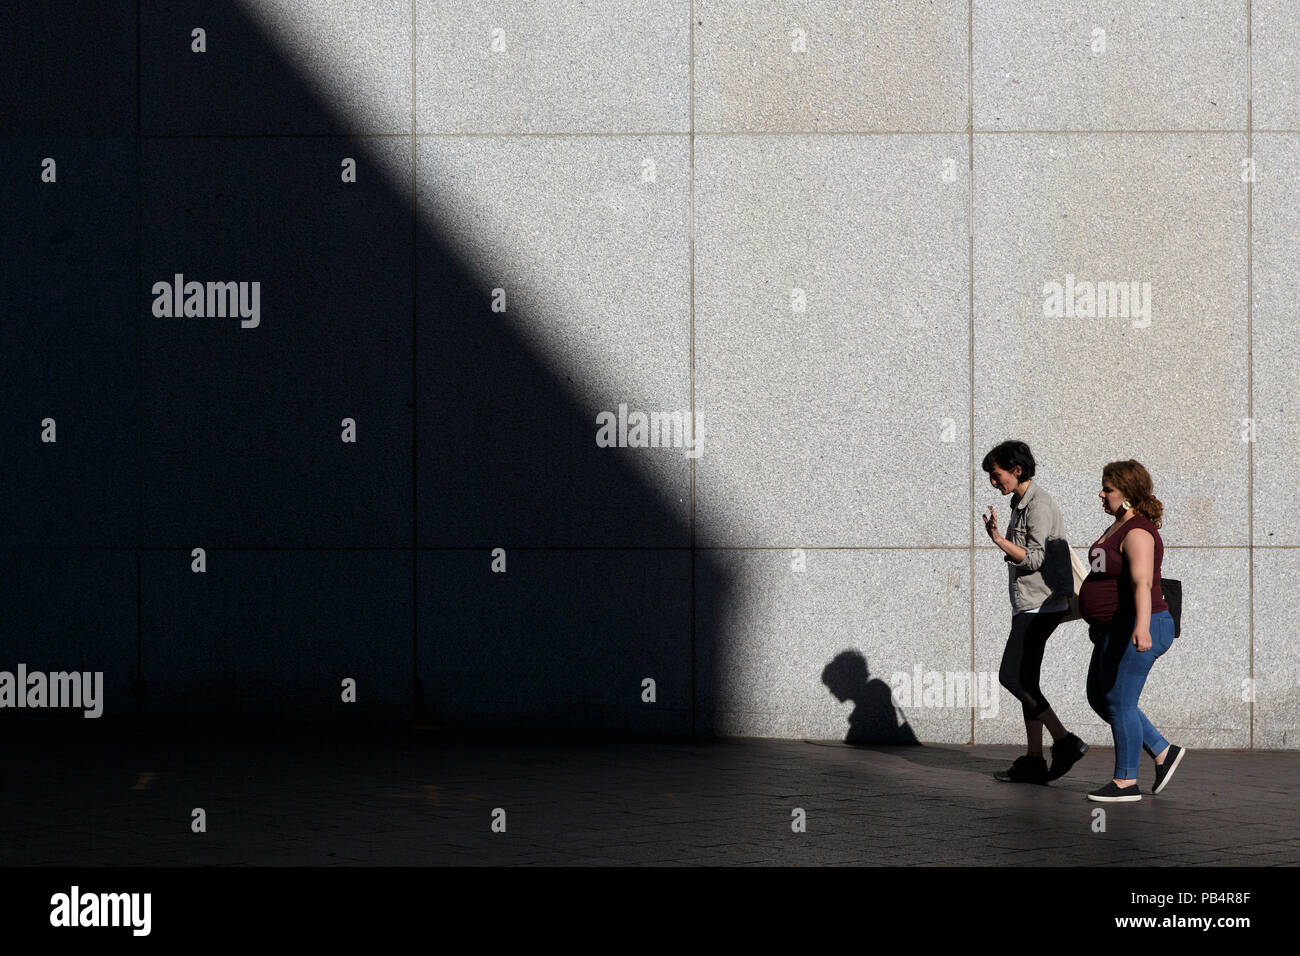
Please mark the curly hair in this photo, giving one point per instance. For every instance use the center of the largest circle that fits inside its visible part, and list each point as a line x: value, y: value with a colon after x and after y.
x: 1134, y: 481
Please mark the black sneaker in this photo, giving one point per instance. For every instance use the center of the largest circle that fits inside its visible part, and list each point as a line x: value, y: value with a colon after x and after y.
x: 1066, y: 752
x: 1026, y: 769
x: 1166, y: 770
x: 1112, y: 793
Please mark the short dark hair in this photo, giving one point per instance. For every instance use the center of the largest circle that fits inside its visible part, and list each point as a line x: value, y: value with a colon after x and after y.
x: 1009, y: 454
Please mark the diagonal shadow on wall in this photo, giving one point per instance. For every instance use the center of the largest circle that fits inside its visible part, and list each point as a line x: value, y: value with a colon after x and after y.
x: 185, y: 432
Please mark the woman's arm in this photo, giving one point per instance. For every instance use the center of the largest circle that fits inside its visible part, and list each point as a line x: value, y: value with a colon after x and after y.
x: 1140, y: 549
x: 1012, y: 551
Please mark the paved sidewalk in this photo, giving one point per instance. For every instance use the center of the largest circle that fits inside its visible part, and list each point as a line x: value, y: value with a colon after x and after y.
x: 117, y: 796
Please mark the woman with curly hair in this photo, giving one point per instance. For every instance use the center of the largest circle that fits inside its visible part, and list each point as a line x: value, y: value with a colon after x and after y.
x: 1131, y: 626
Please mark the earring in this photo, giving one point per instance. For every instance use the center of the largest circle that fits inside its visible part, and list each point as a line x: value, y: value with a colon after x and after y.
x: 1126, y: 505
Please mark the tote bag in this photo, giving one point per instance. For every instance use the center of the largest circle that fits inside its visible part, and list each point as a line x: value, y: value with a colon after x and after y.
x: 1080, y: 571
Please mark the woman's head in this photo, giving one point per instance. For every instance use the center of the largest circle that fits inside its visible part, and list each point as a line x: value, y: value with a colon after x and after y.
x: 1129, y: 481
x: 1008, y: 464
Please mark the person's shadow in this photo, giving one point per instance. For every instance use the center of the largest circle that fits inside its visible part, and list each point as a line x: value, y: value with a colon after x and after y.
x: 875, y: 719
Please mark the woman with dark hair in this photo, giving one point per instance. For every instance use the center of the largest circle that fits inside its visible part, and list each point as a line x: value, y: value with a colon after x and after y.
x: 1040, y: 580
x: 1130, y: 624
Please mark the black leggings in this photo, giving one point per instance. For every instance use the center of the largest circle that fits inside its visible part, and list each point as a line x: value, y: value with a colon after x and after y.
x: 1023, y: 658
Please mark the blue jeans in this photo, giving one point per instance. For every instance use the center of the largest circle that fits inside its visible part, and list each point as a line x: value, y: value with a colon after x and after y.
x: 1116, y: 676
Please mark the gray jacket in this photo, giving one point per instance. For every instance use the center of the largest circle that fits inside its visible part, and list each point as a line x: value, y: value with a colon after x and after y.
x: 1045, y: 572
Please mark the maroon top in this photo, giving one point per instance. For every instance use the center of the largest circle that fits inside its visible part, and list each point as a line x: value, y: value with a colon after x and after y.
x: 1108, y: 593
